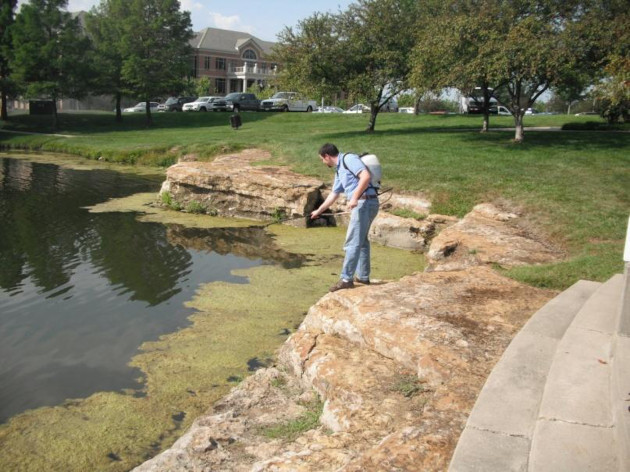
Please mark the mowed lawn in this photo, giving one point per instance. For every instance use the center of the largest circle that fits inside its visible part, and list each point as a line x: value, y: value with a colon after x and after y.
x: 572, y: 186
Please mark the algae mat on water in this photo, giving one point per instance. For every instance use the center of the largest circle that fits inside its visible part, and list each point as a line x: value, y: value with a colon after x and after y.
x: 236, y: 328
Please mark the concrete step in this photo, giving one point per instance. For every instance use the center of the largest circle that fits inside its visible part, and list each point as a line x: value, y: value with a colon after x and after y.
x: 575, y: 429
x: 498, y: 434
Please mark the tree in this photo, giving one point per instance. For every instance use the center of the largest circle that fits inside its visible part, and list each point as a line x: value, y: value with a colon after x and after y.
x: 612, y: 92
x: 155, y: 48
x: 377, y: 50
x: 524, y: 46
x: 310, y: 56
x: 49, y: 48
x: 104, y: 27
x: 7, y: 11
x: 363, y: 52
x: 453, y: 44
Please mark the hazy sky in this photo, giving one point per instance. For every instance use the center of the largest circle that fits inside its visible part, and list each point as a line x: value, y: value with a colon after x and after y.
x: 263, y: 19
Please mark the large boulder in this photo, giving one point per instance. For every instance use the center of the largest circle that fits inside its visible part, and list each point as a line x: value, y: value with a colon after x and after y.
x: 488, y: 235
x: 402, y: 233
x: 231, y: 186
x: 398, y: 367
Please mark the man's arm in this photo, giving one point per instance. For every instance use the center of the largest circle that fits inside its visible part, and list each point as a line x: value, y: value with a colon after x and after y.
x: 364, y: 182
x: 332, y: 197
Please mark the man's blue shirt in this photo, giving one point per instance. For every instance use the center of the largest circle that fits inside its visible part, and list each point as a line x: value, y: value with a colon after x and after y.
x: 345, y: 180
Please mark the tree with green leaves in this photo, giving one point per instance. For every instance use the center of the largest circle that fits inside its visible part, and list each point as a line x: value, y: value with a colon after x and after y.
x: 104, y: 27
x: 453, y: 43
x: 524, y: 46
x: 612, y: 91
x: 49, y: 48
x: 154, y: 44
x: 377, y: 50
x: 363, y: 51
x: 310, y: 55
x: 7, y: 16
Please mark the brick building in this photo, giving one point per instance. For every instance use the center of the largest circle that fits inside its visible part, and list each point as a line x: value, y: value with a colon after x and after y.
x: 233, y: 61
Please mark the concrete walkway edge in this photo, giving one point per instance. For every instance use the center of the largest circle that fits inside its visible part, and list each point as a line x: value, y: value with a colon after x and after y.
x: 499, y: 431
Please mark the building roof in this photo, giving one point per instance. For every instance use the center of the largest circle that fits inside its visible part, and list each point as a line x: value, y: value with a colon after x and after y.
x: 227, y: 41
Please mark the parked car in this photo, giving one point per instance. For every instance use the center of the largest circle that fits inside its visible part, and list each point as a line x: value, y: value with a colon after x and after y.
x: 288, y: 101
x: 141, y: 107
x: 329, y: 109
x: 406, y: 110
x: 500, y: 110
x: 531, y: 111
x: 238, y: 101
x: 175, y: 103
x: 359, y: 108
x: 201, y: 104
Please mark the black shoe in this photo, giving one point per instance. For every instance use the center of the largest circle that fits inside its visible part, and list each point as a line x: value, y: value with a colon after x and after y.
x: 364, y: 282
x: 342, y: 284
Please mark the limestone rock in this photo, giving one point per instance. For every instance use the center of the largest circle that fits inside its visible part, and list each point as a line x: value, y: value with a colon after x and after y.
x: 231, y: 186
x: 487, y: 235
x: 417, y: 203
x: 403, y: 233
x: 398, y: 366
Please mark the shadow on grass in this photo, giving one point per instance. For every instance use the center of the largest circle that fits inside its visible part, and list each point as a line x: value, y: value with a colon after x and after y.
x: 80, y: 124
x: 569, y: 139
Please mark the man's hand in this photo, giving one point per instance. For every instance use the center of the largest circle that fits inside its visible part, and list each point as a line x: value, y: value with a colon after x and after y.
x: 315, y: 214
x: 353, y: 203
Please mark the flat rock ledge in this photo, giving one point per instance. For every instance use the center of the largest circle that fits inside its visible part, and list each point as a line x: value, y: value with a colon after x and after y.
x: 397, y: 365
x: 231, y: 186
x: 485, y: 236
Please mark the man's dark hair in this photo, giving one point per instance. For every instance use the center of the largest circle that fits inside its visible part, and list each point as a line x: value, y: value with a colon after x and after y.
x: 329, y: 149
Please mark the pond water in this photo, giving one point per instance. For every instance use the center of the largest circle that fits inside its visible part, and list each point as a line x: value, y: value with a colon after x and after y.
x: 80, y: 291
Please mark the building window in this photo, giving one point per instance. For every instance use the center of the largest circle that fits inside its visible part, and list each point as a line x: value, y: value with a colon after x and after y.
x: 219, y: 86
x: 249, y: 54
x: 220, y: 63
x: 206, y: 62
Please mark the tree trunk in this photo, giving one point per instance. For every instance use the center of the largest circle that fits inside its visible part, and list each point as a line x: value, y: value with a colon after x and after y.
x: 486, y: 122
x: 4, y: 113
x: 118, y: 108
x: 486, y: 109
x: 55, y: 117
x: 518, y: 125
x: 373, y: 115
x: 149, y: 119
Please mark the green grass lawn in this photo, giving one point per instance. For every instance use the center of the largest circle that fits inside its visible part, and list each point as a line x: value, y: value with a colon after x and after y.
x: 574, y: 186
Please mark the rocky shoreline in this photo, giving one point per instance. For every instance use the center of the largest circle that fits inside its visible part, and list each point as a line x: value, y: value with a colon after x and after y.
x: 381, y: 377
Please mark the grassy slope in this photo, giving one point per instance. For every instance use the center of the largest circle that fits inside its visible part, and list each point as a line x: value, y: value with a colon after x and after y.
x: 574, y: 186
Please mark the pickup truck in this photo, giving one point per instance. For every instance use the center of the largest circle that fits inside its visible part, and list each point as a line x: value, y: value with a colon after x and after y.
x: 288, y: 101
x: 237, y: 101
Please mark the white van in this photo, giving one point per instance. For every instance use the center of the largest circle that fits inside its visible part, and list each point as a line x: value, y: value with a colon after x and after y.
x: 391, y: 105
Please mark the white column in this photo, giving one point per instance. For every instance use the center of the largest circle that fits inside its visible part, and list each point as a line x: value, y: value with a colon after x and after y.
x: 244, y: 85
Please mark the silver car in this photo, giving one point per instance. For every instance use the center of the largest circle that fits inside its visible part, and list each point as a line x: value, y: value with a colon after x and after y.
x: 141, y: 107
x: 201, y: 104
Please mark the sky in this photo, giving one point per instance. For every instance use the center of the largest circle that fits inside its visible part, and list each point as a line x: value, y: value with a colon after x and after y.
x: 263, y: 19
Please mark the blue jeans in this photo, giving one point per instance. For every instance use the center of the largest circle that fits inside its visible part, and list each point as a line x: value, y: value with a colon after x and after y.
x: 357, y: 245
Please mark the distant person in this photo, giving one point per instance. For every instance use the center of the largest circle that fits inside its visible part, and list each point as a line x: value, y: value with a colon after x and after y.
x: 353, y: 178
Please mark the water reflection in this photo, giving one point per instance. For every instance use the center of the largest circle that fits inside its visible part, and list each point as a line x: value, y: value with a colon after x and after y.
x: 245, y: 242
x: 79, y: 292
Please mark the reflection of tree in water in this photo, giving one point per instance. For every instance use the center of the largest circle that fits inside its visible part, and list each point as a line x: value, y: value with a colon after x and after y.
x: 45, y: 234
x: 139, y: 257
x: 252, y: 243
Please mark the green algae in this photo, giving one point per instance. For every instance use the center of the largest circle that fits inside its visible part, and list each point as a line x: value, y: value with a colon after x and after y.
x: 81, y: 163
x: 150, y: 211
x: 233, y: 328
